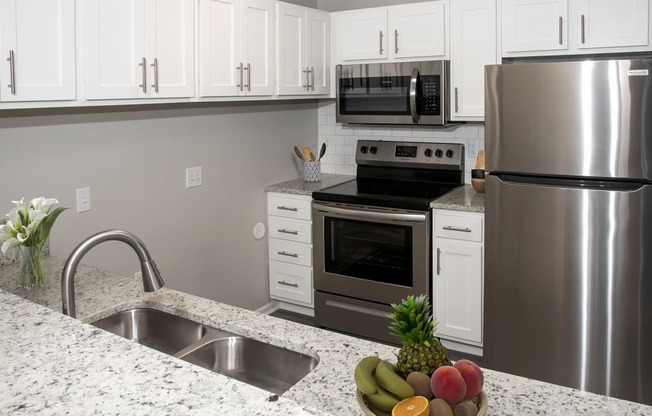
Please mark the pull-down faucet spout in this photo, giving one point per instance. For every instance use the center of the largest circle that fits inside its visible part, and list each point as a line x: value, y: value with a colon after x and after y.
x: 152, y: 280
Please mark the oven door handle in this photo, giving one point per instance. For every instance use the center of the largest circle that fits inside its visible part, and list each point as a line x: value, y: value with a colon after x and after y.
x: 367, y: 215
x: 413, y: 95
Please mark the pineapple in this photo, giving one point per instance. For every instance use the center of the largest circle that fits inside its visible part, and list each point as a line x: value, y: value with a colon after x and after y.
x: 414, y: 325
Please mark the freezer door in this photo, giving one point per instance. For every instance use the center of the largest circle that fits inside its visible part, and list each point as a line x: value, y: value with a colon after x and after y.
x: 568, y: 286
x: 587, y: 118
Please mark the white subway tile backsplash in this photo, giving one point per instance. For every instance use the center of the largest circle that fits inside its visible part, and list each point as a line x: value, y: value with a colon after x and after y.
x: 342, y: 139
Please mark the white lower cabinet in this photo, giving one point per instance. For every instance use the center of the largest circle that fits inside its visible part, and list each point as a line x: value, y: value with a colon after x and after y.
x: 458, y: 275
x: 289, y: 219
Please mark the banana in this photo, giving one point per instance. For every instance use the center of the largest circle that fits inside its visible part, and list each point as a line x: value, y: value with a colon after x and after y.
x: 392, y: 382
x: 364, y: 375
x: 377, y: 411
x: 383, y: 400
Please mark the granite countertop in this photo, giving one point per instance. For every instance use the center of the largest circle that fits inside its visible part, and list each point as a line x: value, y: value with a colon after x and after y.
x: 464, y: 198
x: 298, y: 186
x: 52, y: 364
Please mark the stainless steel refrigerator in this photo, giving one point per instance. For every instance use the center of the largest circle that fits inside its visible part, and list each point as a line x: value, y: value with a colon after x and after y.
x: 568, y: 267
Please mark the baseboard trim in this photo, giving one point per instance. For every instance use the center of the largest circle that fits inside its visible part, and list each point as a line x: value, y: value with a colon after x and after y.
x: 269, y: 308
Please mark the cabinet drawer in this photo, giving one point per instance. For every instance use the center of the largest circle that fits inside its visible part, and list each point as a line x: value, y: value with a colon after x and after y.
x: 458, y: 227
x: 289, y: 282
x: 287, y: 206
x: 289, y: 252
x: 289, y: 229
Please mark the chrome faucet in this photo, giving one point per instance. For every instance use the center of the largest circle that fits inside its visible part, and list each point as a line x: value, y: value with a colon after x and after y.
x: 152, y: 280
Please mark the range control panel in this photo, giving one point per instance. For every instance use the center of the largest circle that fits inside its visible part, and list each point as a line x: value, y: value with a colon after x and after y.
x: 410, y: 154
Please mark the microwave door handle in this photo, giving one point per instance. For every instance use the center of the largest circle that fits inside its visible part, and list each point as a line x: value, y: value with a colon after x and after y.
x: 413, y: 95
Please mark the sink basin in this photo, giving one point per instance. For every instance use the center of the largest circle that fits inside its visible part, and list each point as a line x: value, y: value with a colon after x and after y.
x: 156, y: 329
x: 269, y: 367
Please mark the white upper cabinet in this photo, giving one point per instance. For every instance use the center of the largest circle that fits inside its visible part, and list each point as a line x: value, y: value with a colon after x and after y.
x: 139, y: 48
x: 417, y: 30
x: 407, y: 31
x: 473, y: 45
x: 235, y: 47
x: 556, y: 27
x: 302, y: 50
x: 37, y: 50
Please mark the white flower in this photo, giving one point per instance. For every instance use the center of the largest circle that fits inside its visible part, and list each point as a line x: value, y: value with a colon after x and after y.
x: 7, y: 236
x: 43, y: 204
x: 29, y: 223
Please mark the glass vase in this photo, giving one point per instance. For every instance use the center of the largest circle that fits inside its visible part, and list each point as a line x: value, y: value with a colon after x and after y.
x: 31, y: 273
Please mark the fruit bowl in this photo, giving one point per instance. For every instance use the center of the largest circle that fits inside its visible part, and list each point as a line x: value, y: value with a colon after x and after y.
x: 480, y: 401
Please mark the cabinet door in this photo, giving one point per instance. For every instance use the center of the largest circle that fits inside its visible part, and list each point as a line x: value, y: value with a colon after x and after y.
x: 417, y: 30
x: 535, y: 25
x: 318, y: 50
x: 363, y: 34
x: 611, y: 23
x: 39, y: 36
x: 291, y: 45
x: 458, y: 290
x: 473, y: 45
x: 114, y: 49
x: 219, y: 47
x: 170, y: 48
x: 257, y: 47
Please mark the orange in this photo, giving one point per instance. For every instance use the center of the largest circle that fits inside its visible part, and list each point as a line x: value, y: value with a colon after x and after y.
x: 412, y: 406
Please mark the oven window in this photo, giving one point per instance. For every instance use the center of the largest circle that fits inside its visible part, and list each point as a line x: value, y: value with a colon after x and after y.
x: 375, y: 95
x: 368, y: 250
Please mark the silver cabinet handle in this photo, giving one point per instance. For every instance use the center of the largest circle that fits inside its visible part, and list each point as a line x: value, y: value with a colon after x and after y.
x: 561, y: 30
x: 395, y: 41
x: 248, y: 84
x: 307, y: 84
x: 460, y: 229
x: 285, y: 253
x: 155, y: 66
x: 284, y: 283
x: 240, y: 69
x: 284, y: 231
x: 143, y: 65
x: 582, y: 20
x: 284, y: 208
x: 457, y: 107
x: 438, y: 262
x: 12, y: 72
x: 380, y: 37
x: 311, y: 72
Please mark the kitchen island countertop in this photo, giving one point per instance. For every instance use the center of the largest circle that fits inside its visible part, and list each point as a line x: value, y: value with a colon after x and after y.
x: 52, y: 364
x: 464, y: 198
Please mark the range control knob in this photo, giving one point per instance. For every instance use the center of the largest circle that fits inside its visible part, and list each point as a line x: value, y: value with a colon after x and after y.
x: 450, y: 153
x: 364, y: 149
x: 373, y: 150
x: 428, y: 152
x: 439, y: 153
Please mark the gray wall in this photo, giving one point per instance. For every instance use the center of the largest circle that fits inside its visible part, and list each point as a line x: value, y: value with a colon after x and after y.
x: 134, y: 161
x: 340, y: 5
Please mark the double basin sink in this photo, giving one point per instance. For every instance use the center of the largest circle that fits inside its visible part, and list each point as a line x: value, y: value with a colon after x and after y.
x: 263, y: 365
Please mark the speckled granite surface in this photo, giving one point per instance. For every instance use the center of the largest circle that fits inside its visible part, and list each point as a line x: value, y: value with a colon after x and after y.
x: 464, y: 198
x: 51, y: 364
x: 299, y: 187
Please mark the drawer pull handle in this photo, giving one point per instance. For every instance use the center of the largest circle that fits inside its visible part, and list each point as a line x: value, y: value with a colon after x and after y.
x: 284, y: 208
x: 438, y: 262
x: 460, y: 229
x: 284, y: 231
x: 284, y: 283
x: 285, y: 253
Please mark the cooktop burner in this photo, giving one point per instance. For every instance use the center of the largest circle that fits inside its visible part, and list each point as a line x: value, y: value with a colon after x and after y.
x: 400, y: 175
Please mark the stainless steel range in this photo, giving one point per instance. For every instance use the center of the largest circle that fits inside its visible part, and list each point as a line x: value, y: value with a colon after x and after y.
x: 372, y: 235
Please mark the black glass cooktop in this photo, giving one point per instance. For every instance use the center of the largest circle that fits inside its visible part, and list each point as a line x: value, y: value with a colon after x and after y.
x: 385, y: 193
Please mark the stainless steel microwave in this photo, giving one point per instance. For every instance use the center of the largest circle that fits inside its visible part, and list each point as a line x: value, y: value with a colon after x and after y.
x: 394, y: 93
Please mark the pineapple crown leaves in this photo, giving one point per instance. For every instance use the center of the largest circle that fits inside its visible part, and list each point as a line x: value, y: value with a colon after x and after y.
x: 412, y: 321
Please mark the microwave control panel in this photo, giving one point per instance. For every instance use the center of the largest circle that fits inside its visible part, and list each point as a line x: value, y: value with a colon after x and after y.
x: 430, y: 95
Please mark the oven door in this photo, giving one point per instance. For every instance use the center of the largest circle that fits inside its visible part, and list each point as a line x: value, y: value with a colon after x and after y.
x: 370, y: 253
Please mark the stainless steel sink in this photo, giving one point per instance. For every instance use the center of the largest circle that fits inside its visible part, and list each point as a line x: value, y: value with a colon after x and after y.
x: 269, y: 367
x: 156, y: 329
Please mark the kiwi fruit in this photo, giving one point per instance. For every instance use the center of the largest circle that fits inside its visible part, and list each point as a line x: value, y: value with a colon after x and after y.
x: 420, y: 382
x: 439, y: 407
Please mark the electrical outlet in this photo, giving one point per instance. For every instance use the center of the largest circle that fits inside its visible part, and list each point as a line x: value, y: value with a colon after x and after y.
x: 473, y: 146
x: 138, y: 276
x: 193, y: 177
x: 83, y: 199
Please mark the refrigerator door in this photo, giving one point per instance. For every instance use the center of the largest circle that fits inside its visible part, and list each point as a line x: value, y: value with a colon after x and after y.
x: 586, y: 118
x: 568, y: 286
